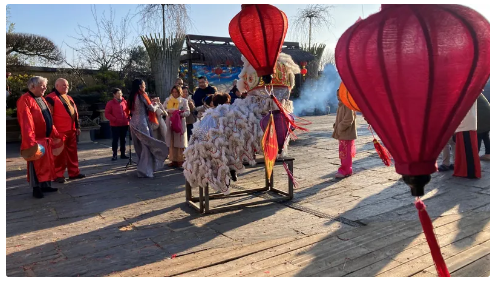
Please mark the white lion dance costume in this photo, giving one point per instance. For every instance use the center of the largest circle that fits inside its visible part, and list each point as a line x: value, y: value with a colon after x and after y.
x: 230, y: 135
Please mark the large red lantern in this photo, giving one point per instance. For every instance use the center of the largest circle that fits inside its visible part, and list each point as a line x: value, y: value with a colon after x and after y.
x: 415, y: 71
x: 258, y: 31
x: 304, y: 71
x: 218, y: 71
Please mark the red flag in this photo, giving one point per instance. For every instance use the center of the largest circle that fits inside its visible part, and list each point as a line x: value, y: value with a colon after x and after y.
x: 270, y: 146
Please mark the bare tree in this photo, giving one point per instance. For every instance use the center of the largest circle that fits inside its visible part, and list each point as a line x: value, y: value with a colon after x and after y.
x: 312, y: 18
x: 164, y: 18
x: 10, y: 24
x: 22, y: 46
x: 108, y: 46
x: 76, y: 74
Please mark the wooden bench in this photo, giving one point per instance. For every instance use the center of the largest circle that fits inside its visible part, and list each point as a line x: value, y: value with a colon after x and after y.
x: 202, y: 203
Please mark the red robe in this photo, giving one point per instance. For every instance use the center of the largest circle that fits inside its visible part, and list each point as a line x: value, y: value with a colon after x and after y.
x: 33, y: 131
x: 67, y: 127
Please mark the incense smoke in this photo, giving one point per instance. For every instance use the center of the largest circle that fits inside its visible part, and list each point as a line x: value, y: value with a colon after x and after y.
x: 319, y: 93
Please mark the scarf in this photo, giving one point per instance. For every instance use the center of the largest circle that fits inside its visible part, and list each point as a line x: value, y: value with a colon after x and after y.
x: 151, y: 114
x: 67, y: 104
x: 173, y: 103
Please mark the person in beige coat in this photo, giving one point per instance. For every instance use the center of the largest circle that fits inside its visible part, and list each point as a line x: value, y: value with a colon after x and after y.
x: 176, y: 142
x: 345, y: 131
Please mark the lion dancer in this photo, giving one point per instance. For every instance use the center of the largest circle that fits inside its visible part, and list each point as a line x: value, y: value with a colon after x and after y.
x: 66, y: 120
x: 38, y: 132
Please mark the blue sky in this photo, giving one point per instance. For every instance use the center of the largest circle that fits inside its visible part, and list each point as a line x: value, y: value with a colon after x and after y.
x: 59, y: 22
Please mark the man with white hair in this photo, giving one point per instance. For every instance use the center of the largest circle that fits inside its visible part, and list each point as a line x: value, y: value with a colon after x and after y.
x: 66, y: 120
x: 37, y: 130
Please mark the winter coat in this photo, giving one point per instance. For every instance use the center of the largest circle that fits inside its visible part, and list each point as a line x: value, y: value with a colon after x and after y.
x: 116, y: 113
x: 180, y: 140
x: 483, y: 114
x: 345, y: 124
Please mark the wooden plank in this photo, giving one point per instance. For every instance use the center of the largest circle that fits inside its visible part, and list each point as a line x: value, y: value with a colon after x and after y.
x: 233, y: 194
x: 463, y: 237
x: 327, y: 265
x: 388, y: 251
x: 424, y: 274
x: 416, y: 265
x: 273, y: 255
x: 193, y: 205
x: 332, y: 247
x: 192, y: 262
x: 465, y: 258
x: 237, y: 206
x: 478, y: 268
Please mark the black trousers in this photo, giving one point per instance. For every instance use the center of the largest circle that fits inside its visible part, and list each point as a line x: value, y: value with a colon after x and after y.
x: 486, y: 140
x: 119, y: 133
x: 189, y: 131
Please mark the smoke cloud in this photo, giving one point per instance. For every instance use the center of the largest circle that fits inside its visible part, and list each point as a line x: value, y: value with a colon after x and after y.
x: 318, y: 94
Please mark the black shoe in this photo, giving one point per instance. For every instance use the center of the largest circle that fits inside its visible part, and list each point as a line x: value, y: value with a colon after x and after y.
x: 49, y: 190
x: 123, y: 156
x: 60, y: 180
x: 37, y: 193
x: 443, y: 168
x: 451, y: 167
x: 114, y: 157
x: 80, y: 176
x: 233, y: 175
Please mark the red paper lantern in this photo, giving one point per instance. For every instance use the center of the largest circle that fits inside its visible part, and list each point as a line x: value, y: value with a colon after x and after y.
x: 304, y: 63
x: 218, y: 71
x: 258, y: 31
x: 304, y: 72
x: 415, y: 71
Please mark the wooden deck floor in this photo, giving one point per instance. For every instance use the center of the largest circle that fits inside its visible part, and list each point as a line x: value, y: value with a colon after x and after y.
x: 115, y: 224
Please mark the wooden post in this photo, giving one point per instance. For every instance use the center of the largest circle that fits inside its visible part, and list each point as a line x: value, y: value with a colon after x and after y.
x: 271, y: 178
x: 207, y: 199
x: 267, y: 182
x: 201, y: 201
x: 188, y: 191
x: 190, y: 81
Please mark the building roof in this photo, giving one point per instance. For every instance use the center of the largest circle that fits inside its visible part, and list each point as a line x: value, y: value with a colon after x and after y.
x: 212, y: 50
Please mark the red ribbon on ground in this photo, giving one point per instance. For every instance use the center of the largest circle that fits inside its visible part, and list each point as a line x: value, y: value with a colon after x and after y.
x: 436, y: 254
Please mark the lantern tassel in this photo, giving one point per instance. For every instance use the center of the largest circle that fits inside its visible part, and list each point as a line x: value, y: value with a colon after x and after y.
x: 294, y: 182
x: 286, y: 116
x: 382, y: 151
x: 436, y: 254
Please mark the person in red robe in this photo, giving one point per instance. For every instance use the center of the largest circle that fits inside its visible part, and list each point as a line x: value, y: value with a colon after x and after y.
x: 66, y: 120
x: 37, y: 128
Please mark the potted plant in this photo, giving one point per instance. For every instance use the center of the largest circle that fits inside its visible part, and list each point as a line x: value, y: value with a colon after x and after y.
x: 86, y: 126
